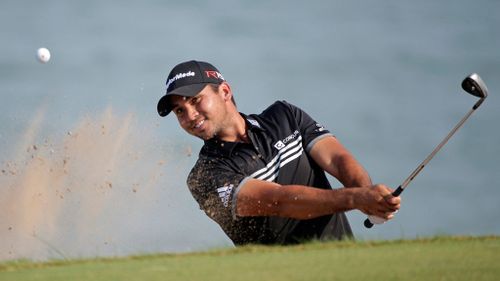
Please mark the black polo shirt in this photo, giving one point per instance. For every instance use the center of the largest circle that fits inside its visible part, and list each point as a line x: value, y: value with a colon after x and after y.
x: 281, y: 138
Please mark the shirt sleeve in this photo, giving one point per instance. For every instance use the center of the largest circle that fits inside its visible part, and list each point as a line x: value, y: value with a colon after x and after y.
x: 213, y: 186
x: 310, y: 130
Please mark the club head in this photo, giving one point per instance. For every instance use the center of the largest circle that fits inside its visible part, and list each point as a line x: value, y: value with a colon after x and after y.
x: 474, y: 85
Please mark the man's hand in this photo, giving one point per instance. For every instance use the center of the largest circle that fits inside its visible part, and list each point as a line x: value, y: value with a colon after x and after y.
x: 377, y: 201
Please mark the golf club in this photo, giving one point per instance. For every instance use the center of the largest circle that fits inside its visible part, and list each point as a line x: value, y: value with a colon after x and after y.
x: 472, y: 84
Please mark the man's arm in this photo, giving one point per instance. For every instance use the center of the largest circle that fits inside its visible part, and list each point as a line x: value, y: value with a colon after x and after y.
x: 335, y: 159
x: 262, y: 198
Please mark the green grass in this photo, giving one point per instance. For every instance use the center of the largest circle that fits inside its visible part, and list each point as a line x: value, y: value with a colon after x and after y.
x: 442, y: 258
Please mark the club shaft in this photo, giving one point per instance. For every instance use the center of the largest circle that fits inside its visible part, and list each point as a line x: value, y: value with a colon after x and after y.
x: 436, y: 150
x: 419, y: 168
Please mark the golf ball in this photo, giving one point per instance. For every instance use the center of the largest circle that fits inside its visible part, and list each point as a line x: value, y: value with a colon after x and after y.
x: 43, y: 55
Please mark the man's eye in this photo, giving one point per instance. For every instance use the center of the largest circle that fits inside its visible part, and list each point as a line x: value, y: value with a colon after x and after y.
x: 195, y: 100
x: 178, y: 111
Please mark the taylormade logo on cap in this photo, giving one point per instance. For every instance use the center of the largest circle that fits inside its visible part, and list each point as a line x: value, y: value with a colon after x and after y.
x: 179, y: 76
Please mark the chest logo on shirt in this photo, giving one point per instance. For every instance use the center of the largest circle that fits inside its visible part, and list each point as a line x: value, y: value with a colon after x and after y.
x: 279, y: 145
x: 282, y: 143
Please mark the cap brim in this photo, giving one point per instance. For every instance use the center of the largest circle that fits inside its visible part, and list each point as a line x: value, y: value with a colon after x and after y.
x: 164, y: 104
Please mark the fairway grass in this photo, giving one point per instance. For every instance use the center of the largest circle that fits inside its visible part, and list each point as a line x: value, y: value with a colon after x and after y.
x: 441, y: 258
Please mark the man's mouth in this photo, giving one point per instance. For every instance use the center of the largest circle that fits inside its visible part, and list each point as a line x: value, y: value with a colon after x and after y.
x: 198, y: 124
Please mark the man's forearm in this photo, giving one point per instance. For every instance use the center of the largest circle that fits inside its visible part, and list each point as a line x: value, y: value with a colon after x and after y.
x: 261, y: 198
x: 351, y: 173
x: 293, y: 201
x: 336, y: 160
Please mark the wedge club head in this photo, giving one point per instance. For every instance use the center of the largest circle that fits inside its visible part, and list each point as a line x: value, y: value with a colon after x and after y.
x: 474, y: 85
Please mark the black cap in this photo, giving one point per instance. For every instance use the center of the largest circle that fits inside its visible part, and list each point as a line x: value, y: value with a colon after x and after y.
x: 187, y: 79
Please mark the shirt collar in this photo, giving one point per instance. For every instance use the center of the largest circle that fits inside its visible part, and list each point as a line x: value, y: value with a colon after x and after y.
x: 251, y: 122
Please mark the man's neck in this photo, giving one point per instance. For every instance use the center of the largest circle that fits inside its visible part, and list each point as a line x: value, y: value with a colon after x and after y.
x: 236, y: 131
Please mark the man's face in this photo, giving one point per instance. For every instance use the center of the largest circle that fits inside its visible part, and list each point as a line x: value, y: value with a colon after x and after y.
x: 203, y: 115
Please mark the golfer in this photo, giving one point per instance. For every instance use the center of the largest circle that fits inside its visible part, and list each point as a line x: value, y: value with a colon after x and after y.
x: 261, y: 177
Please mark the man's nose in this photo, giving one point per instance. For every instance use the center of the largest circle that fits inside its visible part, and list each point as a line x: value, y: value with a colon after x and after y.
x: 191, y: 113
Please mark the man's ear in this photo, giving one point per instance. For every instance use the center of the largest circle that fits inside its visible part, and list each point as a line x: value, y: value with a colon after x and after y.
x: 226, y: 89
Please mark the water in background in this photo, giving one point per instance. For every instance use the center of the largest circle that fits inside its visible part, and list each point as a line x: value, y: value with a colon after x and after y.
x: 88, y: 168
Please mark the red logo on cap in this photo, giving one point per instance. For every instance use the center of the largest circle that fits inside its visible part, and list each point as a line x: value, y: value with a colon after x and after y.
x: 213, y: 74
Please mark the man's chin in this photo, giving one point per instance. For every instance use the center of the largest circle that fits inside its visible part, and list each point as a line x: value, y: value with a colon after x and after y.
x: 203, y: 136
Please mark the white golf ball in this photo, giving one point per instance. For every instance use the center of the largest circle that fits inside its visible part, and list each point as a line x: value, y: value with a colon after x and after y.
x: 43, y: 55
